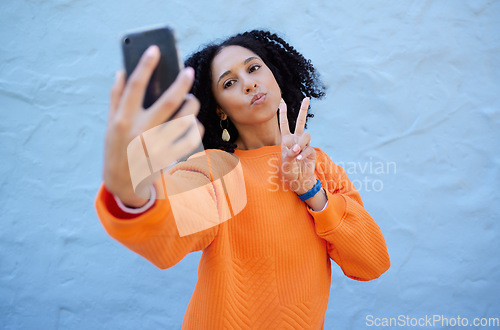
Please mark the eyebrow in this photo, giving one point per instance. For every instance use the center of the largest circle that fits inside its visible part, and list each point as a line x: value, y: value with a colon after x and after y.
x: 228, y: 72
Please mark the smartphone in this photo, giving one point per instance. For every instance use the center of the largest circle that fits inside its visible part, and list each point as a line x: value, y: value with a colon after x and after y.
x: 133, y: 46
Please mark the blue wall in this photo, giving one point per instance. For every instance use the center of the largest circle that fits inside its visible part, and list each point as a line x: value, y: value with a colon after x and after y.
x: 412, y: 112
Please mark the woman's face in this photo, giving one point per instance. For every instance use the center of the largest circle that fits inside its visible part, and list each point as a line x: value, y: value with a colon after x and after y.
x: 244, y: 87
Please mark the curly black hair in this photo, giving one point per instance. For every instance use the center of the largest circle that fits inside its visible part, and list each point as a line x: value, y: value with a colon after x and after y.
x: 294, y: 74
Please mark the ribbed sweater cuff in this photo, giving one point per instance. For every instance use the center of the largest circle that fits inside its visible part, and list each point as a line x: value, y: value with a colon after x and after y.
x: 331, y: 216
x: 116, y: 220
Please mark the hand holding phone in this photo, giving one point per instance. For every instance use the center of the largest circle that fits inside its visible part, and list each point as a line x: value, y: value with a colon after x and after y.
x: 127, y: 119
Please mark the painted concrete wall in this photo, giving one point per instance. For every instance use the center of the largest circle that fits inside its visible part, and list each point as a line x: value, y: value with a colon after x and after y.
x: 412, y: 113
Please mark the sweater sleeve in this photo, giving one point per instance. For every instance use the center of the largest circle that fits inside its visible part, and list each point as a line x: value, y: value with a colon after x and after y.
x: 159, y: 234
x: 354, y: 240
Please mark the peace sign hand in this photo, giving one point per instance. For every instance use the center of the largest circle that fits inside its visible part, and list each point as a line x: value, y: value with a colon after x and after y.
x: 298, y: 158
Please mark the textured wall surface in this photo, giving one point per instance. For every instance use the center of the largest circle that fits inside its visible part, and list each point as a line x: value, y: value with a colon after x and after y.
x: 412, y: 113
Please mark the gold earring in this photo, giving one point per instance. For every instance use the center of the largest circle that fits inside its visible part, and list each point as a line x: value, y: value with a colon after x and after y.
x: 225, y: 134
x: 282, y: 101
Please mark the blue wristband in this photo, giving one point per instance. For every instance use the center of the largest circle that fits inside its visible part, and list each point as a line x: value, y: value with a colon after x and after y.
x: 317, y: 187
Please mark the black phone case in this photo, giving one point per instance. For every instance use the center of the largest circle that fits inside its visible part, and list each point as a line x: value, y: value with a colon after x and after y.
x: 133, y: 47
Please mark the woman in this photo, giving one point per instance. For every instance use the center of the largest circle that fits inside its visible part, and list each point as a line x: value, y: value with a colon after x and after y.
x: 268, y: 266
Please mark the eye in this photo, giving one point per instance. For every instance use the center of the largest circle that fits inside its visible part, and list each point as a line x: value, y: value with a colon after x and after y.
x: 254, y: 68
x: 228, y: 83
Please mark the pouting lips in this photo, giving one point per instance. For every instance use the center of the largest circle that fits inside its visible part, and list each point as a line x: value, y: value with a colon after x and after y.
x: 258, y: 98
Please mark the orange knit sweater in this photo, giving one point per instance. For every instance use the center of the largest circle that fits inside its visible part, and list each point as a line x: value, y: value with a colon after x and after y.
x: 268, y: 266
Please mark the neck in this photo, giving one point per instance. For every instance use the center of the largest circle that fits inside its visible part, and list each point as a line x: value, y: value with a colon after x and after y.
x: 257, y: 136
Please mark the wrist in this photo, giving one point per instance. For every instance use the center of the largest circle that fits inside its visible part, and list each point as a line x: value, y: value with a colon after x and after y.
x: 305, y: 186
x: 318, y: 202
x: 134, y: 201
x: 136, y: 209
x: 126, y: 194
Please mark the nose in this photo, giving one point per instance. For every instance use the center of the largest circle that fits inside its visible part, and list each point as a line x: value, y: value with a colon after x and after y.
x: 250, y: 86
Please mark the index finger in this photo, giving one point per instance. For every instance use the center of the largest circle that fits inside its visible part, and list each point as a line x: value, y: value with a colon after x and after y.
x: 135, y: 88
x: 283, y: 119
x: 301, y: 118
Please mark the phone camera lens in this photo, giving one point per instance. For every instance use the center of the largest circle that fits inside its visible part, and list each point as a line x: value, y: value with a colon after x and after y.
x: 127, y: 41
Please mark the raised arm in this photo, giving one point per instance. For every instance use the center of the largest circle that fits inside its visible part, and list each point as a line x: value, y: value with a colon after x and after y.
x: 354, y: 240
x: 156, y: 233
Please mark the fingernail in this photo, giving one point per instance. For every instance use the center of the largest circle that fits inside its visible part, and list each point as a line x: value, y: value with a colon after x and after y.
x: 296, y: 148
x: 189, y: 72
x: 299, y: 157
x: 151, y: 51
